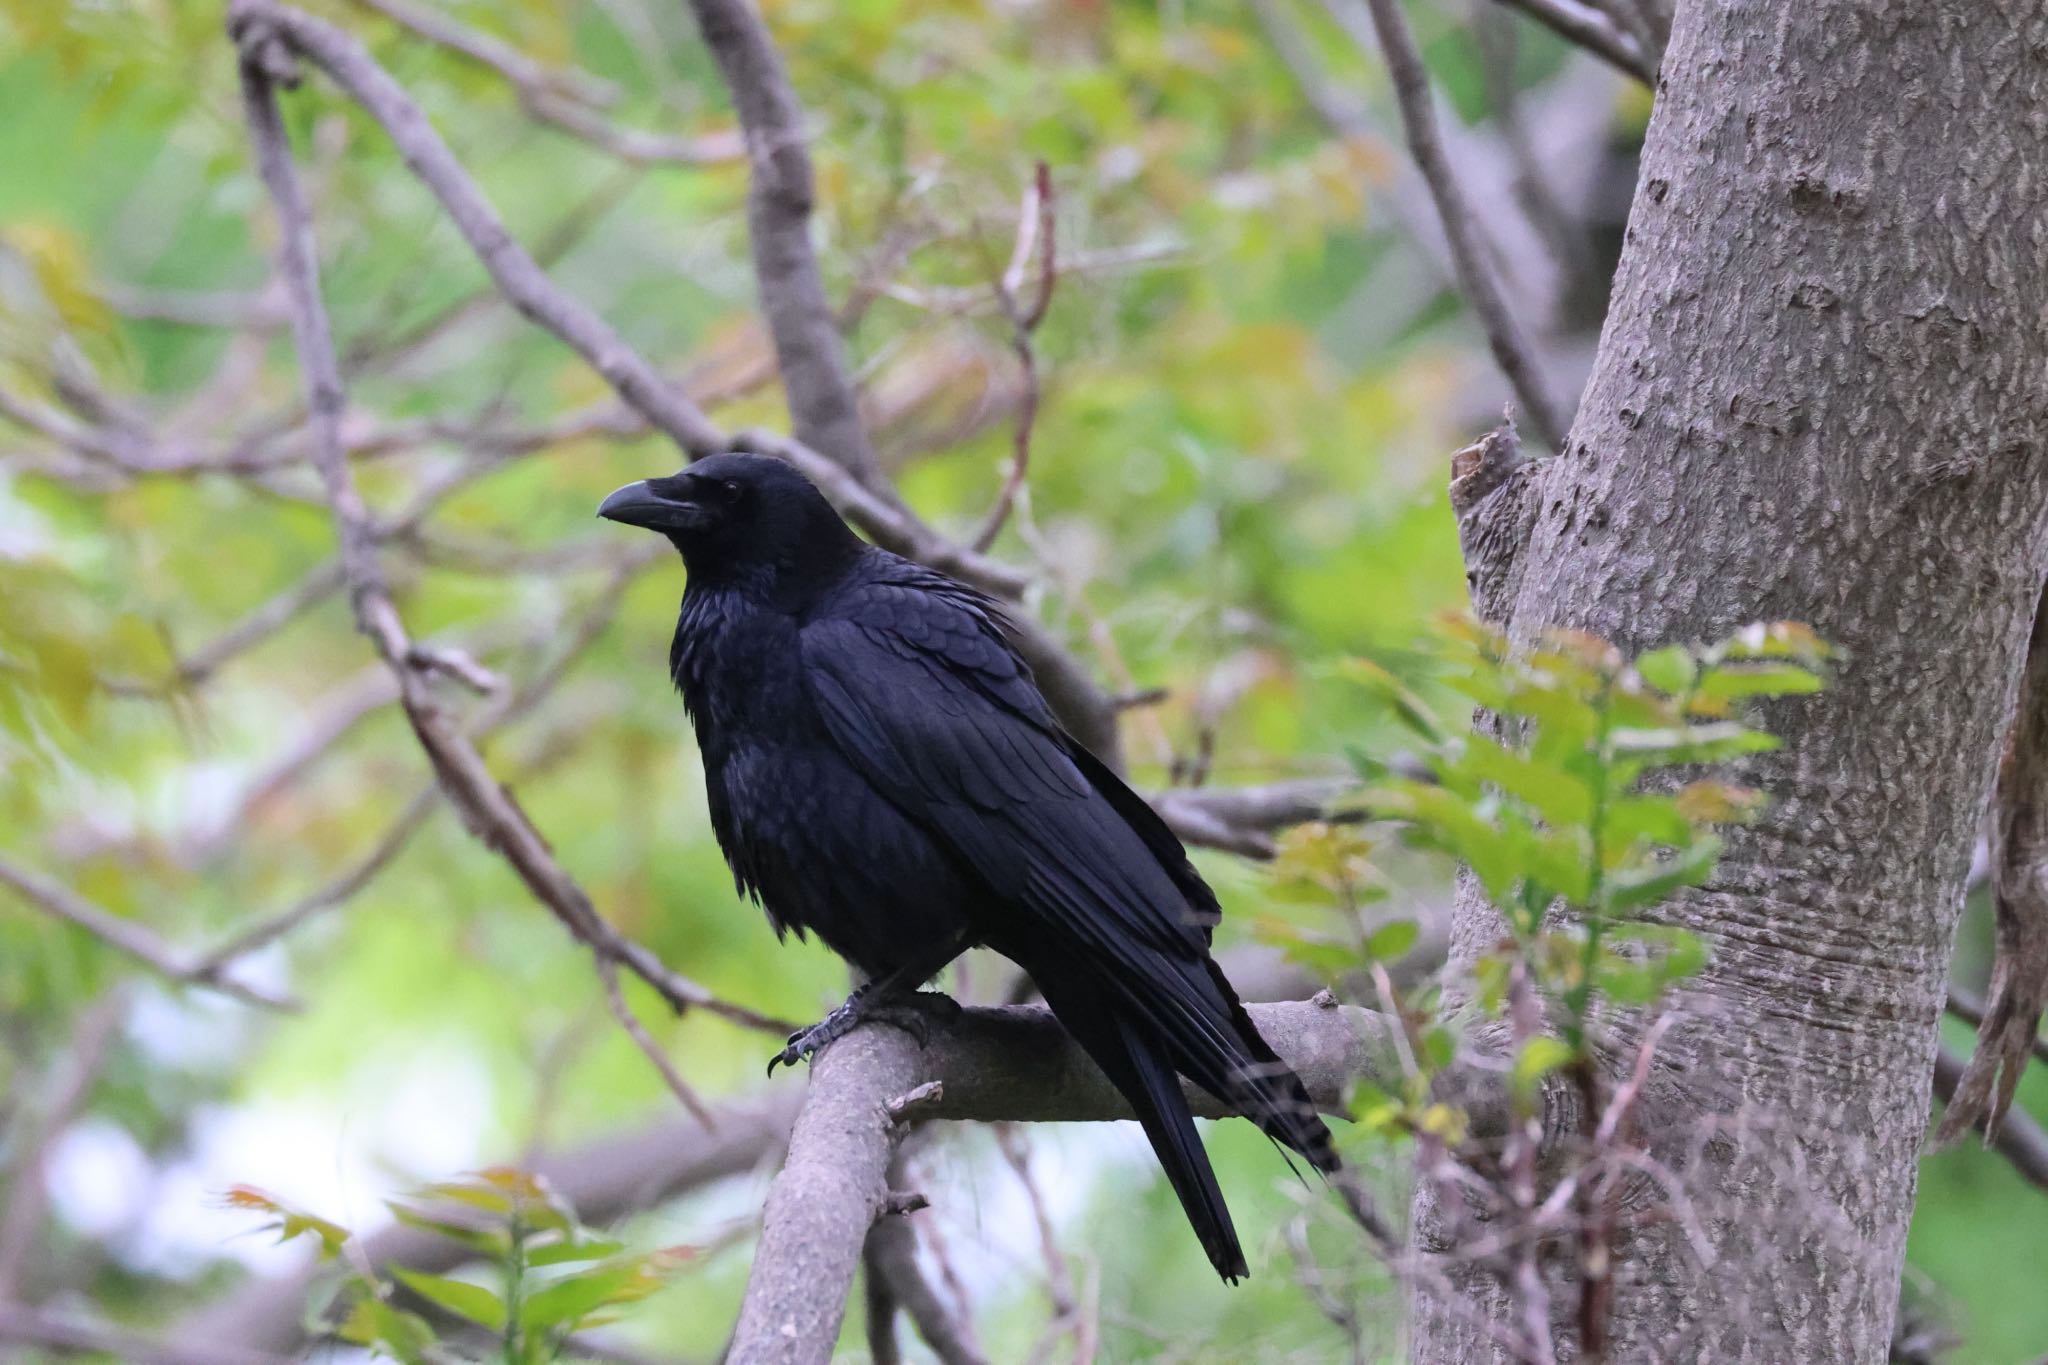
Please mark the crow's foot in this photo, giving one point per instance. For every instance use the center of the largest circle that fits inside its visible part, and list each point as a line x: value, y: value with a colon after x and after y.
x: 912, y: 1012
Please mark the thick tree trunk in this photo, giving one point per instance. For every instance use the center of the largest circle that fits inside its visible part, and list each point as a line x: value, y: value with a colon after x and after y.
x: 1821, y: 396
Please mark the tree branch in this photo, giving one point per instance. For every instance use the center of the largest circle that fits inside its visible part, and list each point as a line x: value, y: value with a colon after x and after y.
x: 126, y: 936
x: 781, y: 190
x: 494, y: 54
x: 1511, y: 348
x: 991, y: 1065
x: 1490, y: 495
x: 77, y: 1071
x: 2018, y: 1138
x: 2011, y: 1024
x: 75, y: 1336
x: 567, y: 99
x: 1241, y: 819
x: 1036, y: 223
x: 896, y: 1282
x: 1594, y: 31
x: 1073, y: 696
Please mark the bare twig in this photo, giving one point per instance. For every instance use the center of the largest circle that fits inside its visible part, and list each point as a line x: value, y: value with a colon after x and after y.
x: 568, y: 99
x: 2011, y: 1024
x: 327, y: 722
x: 1344, y: 115
x: 1073, y: 696
x: 2019, y: 1139
x: 336, y: 892
x: 124, y: 935
x: 1475, y: 272
x: 1059, y: 1279
x: 1241, y: 819
x: 823, y: 409
x: 1585, y: 25
x: 265, y: 621
x: 77, y: 1071
x: 896, y: 1282
x: 502, y: 711
x: 494, y: 54
x: 1325, y: 1290
x: 77, y: 1336
x: 615, y: 999
x: 1036, y: 221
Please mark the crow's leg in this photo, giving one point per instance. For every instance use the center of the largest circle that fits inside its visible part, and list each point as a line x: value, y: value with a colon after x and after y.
x: 892, y: 998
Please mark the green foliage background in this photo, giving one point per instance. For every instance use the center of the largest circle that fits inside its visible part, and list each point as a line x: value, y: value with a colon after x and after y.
x: 1237, y: 480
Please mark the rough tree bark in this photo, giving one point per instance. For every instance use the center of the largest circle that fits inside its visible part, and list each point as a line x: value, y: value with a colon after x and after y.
x: 1820, y: 396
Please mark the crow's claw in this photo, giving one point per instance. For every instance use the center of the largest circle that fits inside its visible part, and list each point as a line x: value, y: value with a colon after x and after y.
x: 913, y: 1013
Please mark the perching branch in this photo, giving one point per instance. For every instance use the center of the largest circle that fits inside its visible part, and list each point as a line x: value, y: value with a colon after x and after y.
x: 1475, y: 272
x: 991, y: 1065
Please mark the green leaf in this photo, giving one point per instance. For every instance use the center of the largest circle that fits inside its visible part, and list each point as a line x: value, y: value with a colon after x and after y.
x: 563, y: 1253
x: 491, y: 1243
x: 405, y: 1337
x: 1717, y: 803
x: 1538, y: 1058
x: 1406, y: 706
x: 1670, y: 670
x: 1631, y: 891
x: 464, y: 1300
x: 291, y: 1223
x: 568, y: 1300
x: 1552, y: 792
x: 1443, y: 819
x: 1439, y: 1048
x: 1393, y: 940
x: 1655, y: 818
x: 1776, y: 640
x: 1692, y: 743
x: 1735, y: 682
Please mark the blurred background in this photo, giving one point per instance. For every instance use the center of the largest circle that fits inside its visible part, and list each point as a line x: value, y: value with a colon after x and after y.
x: 298, y: 972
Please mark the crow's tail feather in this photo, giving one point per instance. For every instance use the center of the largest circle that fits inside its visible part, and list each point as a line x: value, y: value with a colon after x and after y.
x: 1269, y: 1092
x: 1134, y: 1066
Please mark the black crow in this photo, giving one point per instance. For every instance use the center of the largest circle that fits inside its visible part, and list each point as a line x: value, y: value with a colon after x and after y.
x: 883, y: 772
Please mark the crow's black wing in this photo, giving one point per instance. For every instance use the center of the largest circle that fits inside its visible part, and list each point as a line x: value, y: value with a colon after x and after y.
x: 925, y: 697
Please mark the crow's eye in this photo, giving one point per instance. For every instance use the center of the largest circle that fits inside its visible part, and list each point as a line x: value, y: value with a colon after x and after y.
x: 729, y: 490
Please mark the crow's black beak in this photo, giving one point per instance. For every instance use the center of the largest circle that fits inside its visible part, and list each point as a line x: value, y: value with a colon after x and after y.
x: 638, y: 505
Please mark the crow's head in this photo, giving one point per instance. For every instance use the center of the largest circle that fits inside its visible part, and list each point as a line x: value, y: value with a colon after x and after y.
x: 744, y: 514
